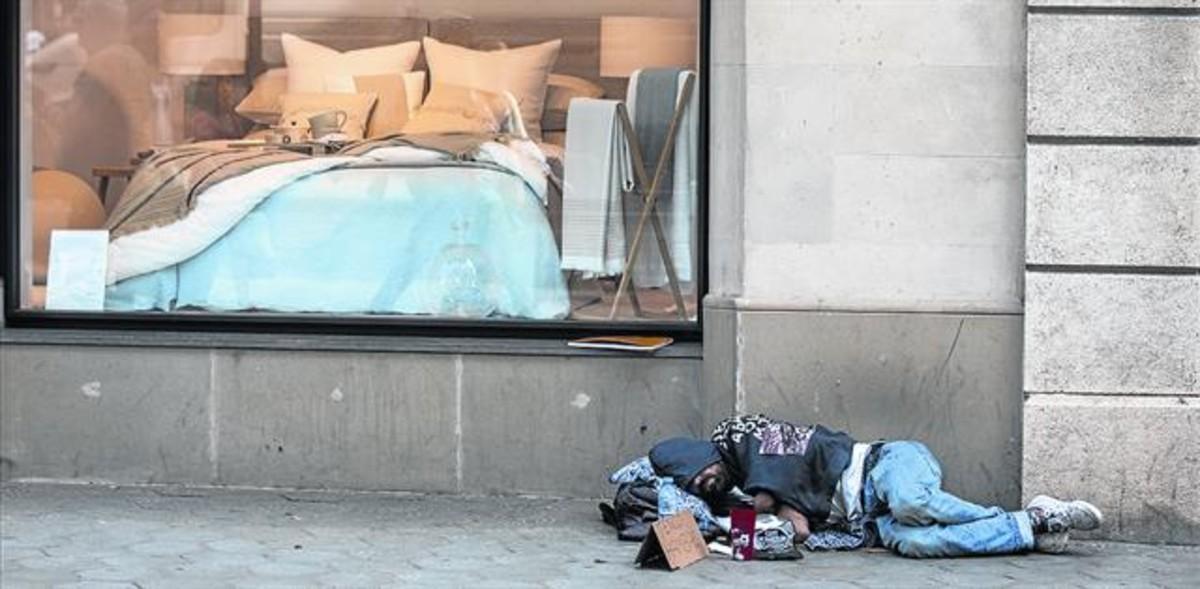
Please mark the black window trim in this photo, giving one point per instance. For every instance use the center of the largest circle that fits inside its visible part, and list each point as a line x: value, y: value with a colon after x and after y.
x: 317, y: 324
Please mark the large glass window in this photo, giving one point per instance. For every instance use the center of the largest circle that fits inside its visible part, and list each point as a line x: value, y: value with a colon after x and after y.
x: 462, y: 159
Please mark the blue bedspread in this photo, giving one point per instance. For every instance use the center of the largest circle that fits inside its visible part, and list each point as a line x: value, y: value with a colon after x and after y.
x: 399, y: 241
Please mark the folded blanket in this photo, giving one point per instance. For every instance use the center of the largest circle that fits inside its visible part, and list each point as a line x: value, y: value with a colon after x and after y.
x: 165, y: 187
x: 653, y: 96
x: 598, y: 174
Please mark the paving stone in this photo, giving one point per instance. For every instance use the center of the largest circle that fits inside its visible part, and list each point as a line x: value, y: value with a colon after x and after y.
x: 240, y: 539
x: 95, y: 585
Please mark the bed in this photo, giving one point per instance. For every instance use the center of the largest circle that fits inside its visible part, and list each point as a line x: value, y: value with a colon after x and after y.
x: 396, y: 229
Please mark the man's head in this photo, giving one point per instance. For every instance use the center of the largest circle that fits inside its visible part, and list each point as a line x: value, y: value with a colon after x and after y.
x: 694, y: 465
x: 712, y: 483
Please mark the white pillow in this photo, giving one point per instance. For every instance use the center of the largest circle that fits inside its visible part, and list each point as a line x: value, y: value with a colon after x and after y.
x: 315, y: 68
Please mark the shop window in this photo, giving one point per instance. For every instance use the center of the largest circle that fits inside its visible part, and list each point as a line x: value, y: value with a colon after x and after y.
x: 416, y: 160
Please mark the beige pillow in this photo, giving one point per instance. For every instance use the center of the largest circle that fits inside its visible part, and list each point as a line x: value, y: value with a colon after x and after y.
x: 458, y: 109
x: 522, y: 71
x: 391, y: 110
x: 297, y: 108
x: 262, y: 104
x: 314, y: 68
x: 561, y: 89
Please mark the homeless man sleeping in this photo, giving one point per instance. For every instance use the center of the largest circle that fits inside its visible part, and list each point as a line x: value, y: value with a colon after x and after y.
x: 842, y: 494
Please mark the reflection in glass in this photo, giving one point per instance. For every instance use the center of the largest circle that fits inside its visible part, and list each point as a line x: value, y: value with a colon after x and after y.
x: 421, y: 158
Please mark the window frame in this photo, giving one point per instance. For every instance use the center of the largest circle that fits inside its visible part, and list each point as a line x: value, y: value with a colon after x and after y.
x: 318, y: 324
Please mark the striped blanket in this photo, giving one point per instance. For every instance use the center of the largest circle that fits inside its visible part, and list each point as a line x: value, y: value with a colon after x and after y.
x: 166, y: 186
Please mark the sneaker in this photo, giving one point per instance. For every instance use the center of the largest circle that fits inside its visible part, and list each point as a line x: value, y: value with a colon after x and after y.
x: 1062, y: 516
x: 1051, y: 543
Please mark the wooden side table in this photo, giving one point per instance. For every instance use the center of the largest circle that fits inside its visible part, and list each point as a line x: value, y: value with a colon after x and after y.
x: 107, y: 173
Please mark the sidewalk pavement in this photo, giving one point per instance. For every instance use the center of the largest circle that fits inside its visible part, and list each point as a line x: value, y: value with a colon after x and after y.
x: 100, y: 536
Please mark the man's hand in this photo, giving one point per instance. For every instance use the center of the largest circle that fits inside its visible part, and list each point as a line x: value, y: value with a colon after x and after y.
x: 798, y: 521
x: 764, y: 502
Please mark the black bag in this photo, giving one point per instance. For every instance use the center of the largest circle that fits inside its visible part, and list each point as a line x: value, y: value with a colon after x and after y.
x: 633, y: 510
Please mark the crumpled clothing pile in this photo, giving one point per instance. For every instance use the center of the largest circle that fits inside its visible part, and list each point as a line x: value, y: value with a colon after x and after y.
x: 673, y: 500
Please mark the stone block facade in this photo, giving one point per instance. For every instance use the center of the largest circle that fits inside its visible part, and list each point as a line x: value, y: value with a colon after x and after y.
x: 1112, y: 337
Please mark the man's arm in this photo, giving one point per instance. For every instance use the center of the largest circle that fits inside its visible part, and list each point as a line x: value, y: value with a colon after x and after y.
x: 798, y: 521
x: 764, y: 502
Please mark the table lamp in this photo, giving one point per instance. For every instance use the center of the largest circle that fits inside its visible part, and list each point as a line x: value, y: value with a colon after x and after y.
x: 630, y: 43
x: 210, y: 49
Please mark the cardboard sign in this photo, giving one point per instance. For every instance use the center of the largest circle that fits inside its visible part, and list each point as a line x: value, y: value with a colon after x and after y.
x: 673, y: 543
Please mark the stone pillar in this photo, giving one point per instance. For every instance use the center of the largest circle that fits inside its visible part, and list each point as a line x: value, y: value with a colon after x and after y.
x: 1112, y: 340
x: 867, y: 221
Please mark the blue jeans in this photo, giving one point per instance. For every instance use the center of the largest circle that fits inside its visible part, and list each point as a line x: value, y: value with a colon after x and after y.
x: 918, y: 519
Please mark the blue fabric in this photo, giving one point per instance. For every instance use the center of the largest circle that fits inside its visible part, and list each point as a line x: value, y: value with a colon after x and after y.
x: 373, y: 241
x: 638, y: 470
x: 918, y: 519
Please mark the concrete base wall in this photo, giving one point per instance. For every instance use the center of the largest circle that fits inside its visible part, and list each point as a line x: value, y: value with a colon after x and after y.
x: 951, y: 381
x: 1136, y: 458
x: 372, y: 421
x: 508, y: 424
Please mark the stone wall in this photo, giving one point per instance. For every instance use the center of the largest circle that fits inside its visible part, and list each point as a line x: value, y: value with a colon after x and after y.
x: 548, y: 423
x: 1112, y: 339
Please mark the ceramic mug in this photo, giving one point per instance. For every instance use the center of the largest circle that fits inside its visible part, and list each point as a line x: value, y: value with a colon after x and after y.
x: 327, y: 122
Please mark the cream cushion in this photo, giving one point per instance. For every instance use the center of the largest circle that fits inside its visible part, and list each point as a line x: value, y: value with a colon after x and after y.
x: 262, y: 104
x: 391, y: 111
x: 314, y: 68
x: 522, y: 71
x: 458, y: 109
x: 60, y: 201
x: 297, y: 108
x: 562, y: 89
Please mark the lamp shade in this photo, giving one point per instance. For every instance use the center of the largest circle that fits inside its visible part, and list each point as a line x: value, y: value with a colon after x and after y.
x: 630, y: 43
x: 202, y: 44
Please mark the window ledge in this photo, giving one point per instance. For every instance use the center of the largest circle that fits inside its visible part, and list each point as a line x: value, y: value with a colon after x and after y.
x: 325, y: 343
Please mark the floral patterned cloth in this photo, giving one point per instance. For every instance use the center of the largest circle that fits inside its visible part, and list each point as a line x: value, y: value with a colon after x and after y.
x: 776, y: 438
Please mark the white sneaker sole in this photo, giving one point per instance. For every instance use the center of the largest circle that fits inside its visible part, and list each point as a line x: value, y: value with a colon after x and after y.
x: 1051, y: 543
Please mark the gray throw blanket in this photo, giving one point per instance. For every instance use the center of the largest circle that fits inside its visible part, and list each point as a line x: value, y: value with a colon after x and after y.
x: 657, y: 96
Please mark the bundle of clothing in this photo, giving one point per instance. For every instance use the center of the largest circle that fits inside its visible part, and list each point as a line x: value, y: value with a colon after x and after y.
x: 643, y: 497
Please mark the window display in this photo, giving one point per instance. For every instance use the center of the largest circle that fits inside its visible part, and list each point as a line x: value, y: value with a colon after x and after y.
x: 435, y: 158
